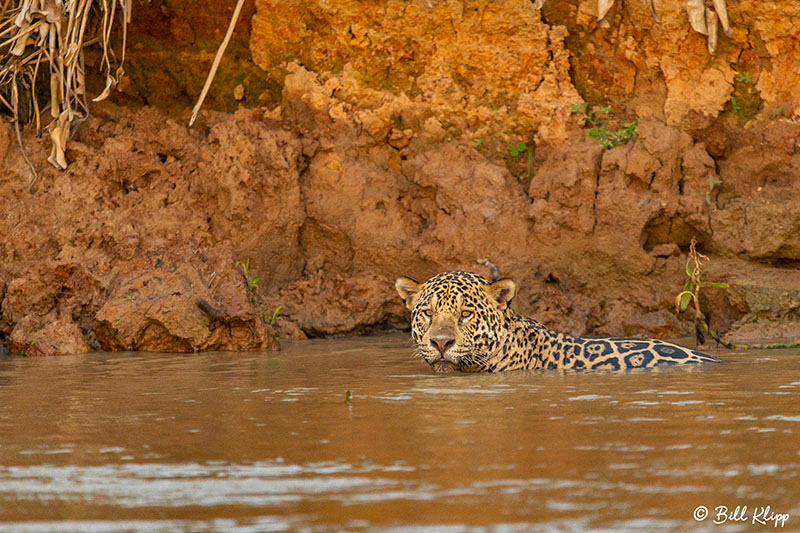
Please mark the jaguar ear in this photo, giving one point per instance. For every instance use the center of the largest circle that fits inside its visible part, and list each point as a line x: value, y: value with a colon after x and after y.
x: 502, y: 291
x: 407, y: 288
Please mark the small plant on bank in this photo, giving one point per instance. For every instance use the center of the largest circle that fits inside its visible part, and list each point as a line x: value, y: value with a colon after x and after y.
x: 275, y: 318
x: 745, y: 99
x: 272, y: 322
x: 252, y: 283
x: 594, y: 119
x: 711, y: 183
x: 520, y: 148
x: 691, y: 294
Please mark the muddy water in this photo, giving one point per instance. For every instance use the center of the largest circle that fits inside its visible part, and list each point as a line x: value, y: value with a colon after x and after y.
x: 266, y: 442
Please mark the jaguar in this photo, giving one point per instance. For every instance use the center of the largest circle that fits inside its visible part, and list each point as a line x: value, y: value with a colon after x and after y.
x: 462, y: 322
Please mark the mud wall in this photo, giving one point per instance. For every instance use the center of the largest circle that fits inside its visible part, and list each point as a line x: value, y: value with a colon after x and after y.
x: 378, y: 146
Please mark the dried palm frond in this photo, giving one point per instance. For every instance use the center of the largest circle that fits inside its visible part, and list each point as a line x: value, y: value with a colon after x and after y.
x: 702, y: 19
x: 55, y: 32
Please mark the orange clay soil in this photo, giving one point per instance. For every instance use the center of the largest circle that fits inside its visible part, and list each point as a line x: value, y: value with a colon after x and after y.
x: 374, y: 143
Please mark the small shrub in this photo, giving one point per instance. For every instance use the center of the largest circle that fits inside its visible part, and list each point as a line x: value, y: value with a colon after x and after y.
x: 594, y: 119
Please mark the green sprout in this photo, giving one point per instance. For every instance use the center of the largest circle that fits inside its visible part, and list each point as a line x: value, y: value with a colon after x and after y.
x: 520, y: 148
x: 252, y: 283
x: 275, y: 316
x: 711, y: 183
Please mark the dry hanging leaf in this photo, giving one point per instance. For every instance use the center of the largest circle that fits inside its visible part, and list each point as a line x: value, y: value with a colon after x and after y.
x: 44, y: 29
x: 55, y: 94
x: 72, y: 53
x: 80, y: 82
x: 110, y: 84
x: 21, y: 39
x: 53, y: 11
x: 537, y: 4
x: 711, y: 24
x: 59, y: 134
x: 722, y: 12
x: 24, y: 14
x: 697, y: 15
x: 602, y: 8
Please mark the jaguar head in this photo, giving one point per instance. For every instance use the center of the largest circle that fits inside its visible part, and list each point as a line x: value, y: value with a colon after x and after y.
x: 458, y: 319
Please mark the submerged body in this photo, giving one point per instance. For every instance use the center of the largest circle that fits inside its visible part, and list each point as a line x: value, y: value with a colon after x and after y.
x: 459, y: 321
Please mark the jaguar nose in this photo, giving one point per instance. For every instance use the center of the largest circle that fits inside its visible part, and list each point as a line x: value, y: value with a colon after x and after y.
x: 442, y: 343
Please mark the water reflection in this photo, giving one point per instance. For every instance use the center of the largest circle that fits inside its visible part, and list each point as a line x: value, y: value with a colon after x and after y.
x: 261, y: 442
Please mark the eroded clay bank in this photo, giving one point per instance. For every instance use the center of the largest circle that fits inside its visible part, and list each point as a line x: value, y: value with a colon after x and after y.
x: 377, y: 145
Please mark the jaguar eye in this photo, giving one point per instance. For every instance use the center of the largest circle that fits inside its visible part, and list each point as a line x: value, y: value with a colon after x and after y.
x: 466, y: 314
x: 428, y: 313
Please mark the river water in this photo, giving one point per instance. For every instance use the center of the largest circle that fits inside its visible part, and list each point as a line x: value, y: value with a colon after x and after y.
x: 266, y: 442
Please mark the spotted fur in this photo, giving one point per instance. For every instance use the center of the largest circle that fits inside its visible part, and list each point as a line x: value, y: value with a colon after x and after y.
x: 460, y: 321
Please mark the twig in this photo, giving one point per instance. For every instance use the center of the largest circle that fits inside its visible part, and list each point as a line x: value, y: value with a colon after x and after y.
x: 217, y: 59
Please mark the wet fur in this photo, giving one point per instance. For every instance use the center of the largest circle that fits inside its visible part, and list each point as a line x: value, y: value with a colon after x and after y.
x: 494, y: 338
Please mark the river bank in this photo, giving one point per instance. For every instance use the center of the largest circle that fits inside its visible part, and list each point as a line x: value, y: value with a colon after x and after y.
x: 364, y: 156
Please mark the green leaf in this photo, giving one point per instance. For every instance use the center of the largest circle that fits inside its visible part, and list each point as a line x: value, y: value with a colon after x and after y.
x: 348, y: 396
x: 686, y: 297
x: 477, y: 143
x: 275, y: 315
x: 578, y: 107
x: 718, y: 285
x: 518, y: 149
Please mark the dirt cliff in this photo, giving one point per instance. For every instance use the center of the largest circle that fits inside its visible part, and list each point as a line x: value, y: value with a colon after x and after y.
x: 373, y: 141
